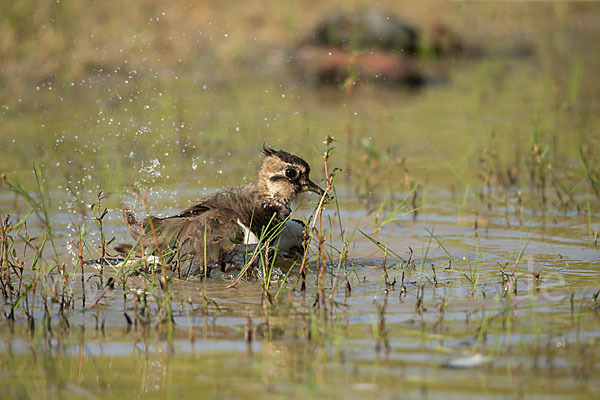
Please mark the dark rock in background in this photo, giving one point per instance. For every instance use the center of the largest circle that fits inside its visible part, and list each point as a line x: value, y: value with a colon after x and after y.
x: 370, y: 45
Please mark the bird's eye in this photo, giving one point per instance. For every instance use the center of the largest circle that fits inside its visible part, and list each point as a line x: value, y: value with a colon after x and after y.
x: 290, y: 173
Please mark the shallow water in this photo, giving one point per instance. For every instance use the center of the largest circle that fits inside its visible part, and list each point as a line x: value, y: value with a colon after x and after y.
x: 356, y: 337
x: 534, y: 343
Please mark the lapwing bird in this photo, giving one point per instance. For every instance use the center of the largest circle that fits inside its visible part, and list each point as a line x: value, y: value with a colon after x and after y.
x: 220, y: 227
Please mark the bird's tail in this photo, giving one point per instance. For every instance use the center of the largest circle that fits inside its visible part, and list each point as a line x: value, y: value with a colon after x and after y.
x: 125, y: 250
x: 135, y: 228
x: 129, y: 217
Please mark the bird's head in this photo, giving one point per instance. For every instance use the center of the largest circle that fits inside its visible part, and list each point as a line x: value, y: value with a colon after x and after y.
x: 283, y: 176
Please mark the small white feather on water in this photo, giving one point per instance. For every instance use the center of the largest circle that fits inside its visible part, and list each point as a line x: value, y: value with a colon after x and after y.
x: 469, y: 361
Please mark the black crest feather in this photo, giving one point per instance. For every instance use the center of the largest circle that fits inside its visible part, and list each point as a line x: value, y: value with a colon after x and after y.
x: 267, y: 150
x: 284, y: 156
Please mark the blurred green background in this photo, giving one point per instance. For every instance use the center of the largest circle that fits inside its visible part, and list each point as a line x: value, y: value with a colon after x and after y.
x: 178, y: 94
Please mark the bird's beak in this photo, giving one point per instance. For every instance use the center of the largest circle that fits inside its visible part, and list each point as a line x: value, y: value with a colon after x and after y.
x: 313, y: 187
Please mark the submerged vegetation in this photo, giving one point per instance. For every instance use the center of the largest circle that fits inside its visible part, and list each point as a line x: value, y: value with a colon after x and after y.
x: 462, y: 232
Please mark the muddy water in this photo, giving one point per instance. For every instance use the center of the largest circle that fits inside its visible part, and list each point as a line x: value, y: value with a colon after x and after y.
x: 373, y: 340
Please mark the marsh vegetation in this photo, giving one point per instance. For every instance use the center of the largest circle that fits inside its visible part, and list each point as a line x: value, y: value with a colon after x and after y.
x: 459, y: 255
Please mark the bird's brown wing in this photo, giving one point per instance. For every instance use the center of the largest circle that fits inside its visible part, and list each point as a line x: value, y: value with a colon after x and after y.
x: 222, y: 199
x: 193, y: 211
x: 181, y: 238
x: 187, y: 235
